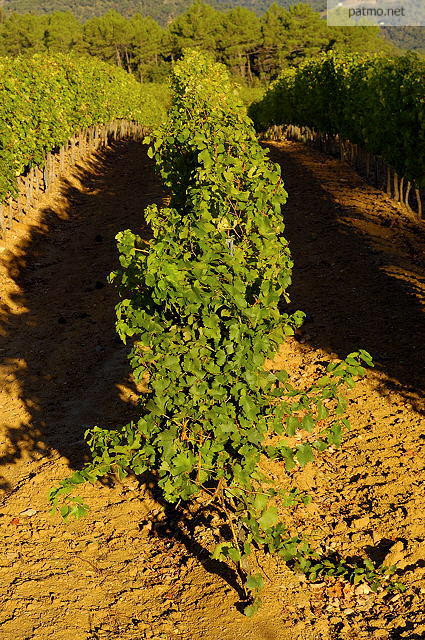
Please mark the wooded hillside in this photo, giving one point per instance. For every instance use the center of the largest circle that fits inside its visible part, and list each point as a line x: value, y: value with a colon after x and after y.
x: 254, y: 48
x: 163, y: 12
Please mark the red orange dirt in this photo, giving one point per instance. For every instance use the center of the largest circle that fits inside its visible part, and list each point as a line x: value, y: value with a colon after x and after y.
x: 123, y: 573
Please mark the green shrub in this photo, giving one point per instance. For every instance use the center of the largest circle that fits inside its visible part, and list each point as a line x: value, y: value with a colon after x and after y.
x: 200, y: 304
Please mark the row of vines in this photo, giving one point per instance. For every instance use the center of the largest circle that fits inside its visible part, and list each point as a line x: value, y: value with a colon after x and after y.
x: 201, y: 308
x: 376, y: 103
x: 46, y: 99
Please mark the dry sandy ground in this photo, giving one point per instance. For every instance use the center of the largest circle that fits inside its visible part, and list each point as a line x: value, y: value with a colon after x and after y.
x: 360, y: 277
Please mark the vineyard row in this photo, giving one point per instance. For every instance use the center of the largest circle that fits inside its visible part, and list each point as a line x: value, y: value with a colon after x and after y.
x: 51, y: 103
x: 370, y: 110
x: 40, y: 180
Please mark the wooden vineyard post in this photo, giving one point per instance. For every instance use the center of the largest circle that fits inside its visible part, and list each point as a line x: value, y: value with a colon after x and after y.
x: 396, y: 186
x: 407, y: 194
x: 45, y: 177
x: 52, y: 168
x: 419, y: 202
x: 31, y: 186
x: 2, y: 219
x: 388, y: 181
x: 27, y: 184
x: 401, y: 190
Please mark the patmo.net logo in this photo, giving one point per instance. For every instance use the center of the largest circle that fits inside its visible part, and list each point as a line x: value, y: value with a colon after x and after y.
x: 361, y: 13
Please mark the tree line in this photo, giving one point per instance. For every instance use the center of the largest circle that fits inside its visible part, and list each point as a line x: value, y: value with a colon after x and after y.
x: 162, y: 12
x: 254, y: 48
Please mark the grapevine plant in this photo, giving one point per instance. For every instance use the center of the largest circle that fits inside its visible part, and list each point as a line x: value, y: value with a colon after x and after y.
x: 200, y: 304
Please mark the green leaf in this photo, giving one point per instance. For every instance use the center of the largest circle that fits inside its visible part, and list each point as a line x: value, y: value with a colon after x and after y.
x: 234, y: 554
x: 251, y: 609
x: 322, y: 412
x: 249, y: 407
x: 320, y: 445
x: 308, y: 423
x: 255, y: 582
x: 181, y: 463
x: 304, y: 454
x: 292, y: 425
x: 260, y: 501
x: 65, y: 511
x: 269, y: 518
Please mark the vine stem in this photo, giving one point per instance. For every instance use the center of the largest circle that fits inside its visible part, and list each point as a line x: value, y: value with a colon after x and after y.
x: 240, y: 570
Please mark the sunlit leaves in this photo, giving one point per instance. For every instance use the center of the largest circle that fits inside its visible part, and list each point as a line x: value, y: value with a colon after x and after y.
x: 47, y: 99
x: 366, y: 99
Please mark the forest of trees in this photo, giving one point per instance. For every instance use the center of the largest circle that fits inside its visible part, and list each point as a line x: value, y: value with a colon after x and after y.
x: 412, y: 38
x: 253, y: 47
x: 163, y: 11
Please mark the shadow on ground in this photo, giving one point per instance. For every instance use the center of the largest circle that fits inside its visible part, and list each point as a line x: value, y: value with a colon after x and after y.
x: 59, y: 349
x: 359, y: 274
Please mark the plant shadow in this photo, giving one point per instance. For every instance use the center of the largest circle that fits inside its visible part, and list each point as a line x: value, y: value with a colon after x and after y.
x: 179, y: 525
x: 359, y: 273
x: 60, y: 353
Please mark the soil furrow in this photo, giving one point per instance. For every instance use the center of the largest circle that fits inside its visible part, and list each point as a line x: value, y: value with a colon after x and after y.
x: 126, y: 572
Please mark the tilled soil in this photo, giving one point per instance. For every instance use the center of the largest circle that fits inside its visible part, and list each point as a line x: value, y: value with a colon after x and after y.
x: 129, y: 570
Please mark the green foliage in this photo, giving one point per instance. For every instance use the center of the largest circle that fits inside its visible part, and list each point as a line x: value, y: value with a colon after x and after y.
x: 62, y: 33
x: 375, y: 102
x: 44, y: 100
x: 412, y: 38
x: 239, y: 40
x: 163, y: 12
x: 134, y: 44
x: 250, y: 94
x: 200, y: 306
x: 254, y: 47
x: 291, y: 35
x: 197, y: 27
